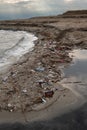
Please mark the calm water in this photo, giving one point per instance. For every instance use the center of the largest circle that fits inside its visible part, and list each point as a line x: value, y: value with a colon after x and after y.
x: 12, y: 9
x: 76, y: 73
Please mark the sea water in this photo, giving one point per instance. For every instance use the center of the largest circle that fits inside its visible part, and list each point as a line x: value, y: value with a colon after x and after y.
x: 14, y: 44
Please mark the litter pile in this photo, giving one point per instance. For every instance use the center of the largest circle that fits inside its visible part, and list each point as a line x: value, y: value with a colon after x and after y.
x: 32, y: 81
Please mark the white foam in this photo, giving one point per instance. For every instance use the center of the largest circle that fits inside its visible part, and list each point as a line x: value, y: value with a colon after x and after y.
x: 14, y: 44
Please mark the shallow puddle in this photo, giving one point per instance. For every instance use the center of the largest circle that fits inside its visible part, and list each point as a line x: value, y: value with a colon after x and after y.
x: 75, y: 75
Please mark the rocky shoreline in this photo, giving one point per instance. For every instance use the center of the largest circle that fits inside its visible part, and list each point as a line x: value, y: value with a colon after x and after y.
x: 34, y: 80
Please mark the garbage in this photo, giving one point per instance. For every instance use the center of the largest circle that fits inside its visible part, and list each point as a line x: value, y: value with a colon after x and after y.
x: 49, y: 93
x: 38, y: 100
x: 43, y: 100
x: 40, y: 69
x: 5, y: 79
x: 32, y: 71
x: 40, y: 82
x: 46, y: 59
x: 51, y: 75
x: 45, y: 86
x: 24, y: 91
x: 9, y: 105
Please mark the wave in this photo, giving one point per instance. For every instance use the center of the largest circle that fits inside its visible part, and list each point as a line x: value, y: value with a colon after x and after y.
x: 23, y: 45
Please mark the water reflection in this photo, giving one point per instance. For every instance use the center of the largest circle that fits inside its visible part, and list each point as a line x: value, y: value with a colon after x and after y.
x: 76, y: 74
x: 11, y: 9
x: 79, y: 66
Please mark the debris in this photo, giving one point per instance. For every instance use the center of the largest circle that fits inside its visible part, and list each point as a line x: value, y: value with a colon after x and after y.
x: 40, y: 69
x: 9, y: 105
x: 43, y: 100
x: 5, y: 79
x: 38, y: 100
x: 32, y: 71
x: 24, y: 91
x: 11, y: 110
x: 37, y: 72
x: 51, y: 75
x: 49, y: 93
x: 10, y: 92
x: 40, y: 82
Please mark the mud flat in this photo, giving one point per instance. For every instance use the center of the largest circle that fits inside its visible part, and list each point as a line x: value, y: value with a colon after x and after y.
x: 32, y: 85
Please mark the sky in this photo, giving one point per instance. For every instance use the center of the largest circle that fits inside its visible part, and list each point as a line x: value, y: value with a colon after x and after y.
x: 14, y: 9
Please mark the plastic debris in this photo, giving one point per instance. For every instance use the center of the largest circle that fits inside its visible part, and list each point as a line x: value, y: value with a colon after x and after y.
x: 43, y: 100
x: 5, y: 79
x: 40, y: 82
x: 40, y: 69
x: 49, y: 93
x: 9, y: 105
x: 24, y: 91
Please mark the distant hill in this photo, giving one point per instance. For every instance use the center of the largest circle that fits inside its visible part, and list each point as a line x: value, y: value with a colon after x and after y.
x: 76, y: 12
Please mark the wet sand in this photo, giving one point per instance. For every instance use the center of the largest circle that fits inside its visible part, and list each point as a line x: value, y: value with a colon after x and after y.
x: 76, y: 120
x: 56, y: 106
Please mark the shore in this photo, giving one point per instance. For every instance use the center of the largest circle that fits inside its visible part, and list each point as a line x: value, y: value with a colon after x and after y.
x: 32, y: 84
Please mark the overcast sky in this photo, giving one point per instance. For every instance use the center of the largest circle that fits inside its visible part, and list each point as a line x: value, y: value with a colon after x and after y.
x: 12, y: 9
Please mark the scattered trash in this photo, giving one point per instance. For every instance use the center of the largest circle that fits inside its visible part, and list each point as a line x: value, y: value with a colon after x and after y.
x: 9, y: 105
x: 51, y: 75
x: 45, y: 86
x: 40, y: 69
x: 40, y: 82
x: 43, y: 64
x: 5, y: 79
x: 10, y: 92
x: 24, y: 91
x: 49, y: 93
x: 38, y: 100
x: 43, y: 100
x: 11, y: 110
x: 32, y: 71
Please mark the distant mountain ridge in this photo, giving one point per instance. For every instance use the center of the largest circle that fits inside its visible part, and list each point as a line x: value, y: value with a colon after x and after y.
x: 76, y: 12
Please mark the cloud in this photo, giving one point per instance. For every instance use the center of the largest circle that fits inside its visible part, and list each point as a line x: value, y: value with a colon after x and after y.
x: 68, y: 1
x: 12, y: 1
x: 31, y: 8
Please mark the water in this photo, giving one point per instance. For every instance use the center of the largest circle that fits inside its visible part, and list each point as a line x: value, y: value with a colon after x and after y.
x: 76, y: 73
x: 14, y: 44
x: 15, y: 9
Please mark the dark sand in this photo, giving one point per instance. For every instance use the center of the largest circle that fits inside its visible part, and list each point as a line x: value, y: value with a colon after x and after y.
x: 74, y: 120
